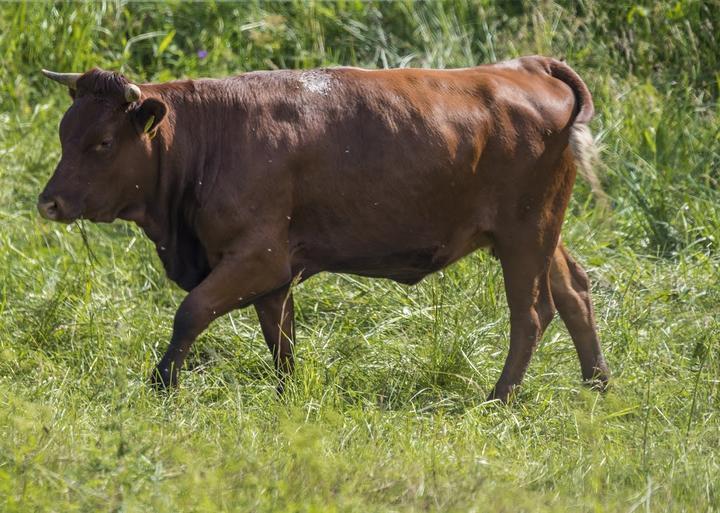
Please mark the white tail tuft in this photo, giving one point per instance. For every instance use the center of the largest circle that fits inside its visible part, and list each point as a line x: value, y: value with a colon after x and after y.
x: 586, y: 155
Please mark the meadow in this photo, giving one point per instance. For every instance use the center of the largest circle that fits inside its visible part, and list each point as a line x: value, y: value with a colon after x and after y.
x: 386, y: 411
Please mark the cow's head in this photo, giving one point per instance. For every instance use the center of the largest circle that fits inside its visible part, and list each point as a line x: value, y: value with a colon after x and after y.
x: 106, y: 170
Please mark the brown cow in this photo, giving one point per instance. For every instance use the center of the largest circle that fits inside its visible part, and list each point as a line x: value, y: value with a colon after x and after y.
x: 249, y: 183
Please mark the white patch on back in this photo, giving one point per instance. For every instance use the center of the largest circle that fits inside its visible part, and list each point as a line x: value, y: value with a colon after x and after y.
x: 315, y: 81
x: 513, y: 64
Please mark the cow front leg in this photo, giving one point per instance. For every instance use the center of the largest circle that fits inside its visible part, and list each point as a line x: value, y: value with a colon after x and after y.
x: 277, y: 320
x: 527, y: 289
x: 231, y: 284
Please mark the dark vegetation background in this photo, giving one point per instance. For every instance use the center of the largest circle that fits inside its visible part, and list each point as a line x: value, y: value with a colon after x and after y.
x: 386, y: 411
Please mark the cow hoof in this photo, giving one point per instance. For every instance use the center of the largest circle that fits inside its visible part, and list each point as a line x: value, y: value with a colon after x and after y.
x: 163, y: 378
x: 599, y: 381
x: 501, y: 394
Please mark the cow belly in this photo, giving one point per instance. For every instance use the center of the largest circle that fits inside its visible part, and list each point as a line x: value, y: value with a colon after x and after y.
x: 396, y: 258
x: 405, y: 267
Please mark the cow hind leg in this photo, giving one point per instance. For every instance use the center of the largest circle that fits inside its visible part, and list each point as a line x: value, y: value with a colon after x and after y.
x: 571, y: 295
x: 276, y: 316
x: 527, y: 287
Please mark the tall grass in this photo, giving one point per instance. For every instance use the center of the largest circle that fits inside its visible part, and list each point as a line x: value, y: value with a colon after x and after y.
x: 386, y: 412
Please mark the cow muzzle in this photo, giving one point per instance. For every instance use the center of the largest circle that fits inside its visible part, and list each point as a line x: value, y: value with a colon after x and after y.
x: 53, y: 209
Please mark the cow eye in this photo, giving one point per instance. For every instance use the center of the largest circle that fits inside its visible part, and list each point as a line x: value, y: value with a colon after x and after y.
x: 103, y: 145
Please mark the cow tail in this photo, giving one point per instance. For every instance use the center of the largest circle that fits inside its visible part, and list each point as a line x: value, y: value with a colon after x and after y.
x: 582, y: 143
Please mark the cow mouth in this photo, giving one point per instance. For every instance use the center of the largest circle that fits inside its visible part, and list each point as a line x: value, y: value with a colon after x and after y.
x: 59, y: 211
x: 134, y: 213
x: 99, y: 219
x: 130, y: 213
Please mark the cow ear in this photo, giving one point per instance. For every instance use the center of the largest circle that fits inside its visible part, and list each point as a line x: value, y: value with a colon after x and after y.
x: 148, y: 116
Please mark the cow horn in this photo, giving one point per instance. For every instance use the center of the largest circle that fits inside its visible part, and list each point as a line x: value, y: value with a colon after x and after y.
x: 68, y: 79
x: 132, y: 93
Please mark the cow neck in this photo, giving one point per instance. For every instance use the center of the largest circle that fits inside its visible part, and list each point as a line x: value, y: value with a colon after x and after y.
x: 171, y: 217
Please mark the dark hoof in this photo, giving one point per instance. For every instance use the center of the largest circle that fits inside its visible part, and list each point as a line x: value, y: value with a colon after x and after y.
x: 281, y: 387
x: 500, y: 394
x: 599, y: 380
x: 164, y: 378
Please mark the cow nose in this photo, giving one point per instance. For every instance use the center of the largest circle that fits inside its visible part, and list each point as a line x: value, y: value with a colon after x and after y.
x: 48, y: 208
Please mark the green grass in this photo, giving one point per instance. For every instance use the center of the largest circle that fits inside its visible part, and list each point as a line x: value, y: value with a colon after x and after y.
x: 386, y: 410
